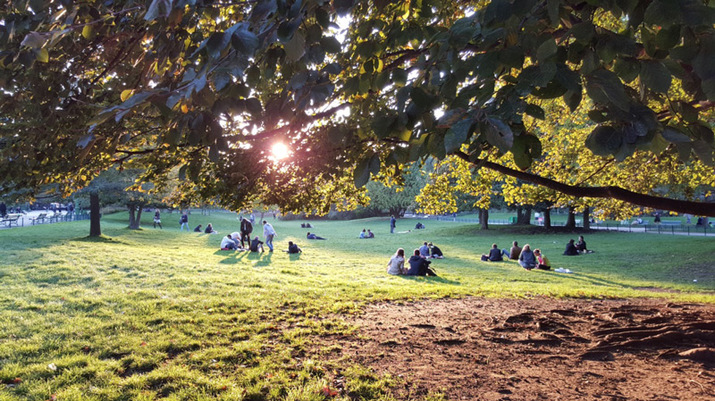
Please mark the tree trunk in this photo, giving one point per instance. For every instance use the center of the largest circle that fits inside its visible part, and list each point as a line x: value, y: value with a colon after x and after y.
x: 135, y: 215
x: 484, y: 218
x: 523, y: 216
x: 586, y: 219
x: 95, y: 229
x: 547, y: 218
x: 132, y: 215
x: 571, y: 219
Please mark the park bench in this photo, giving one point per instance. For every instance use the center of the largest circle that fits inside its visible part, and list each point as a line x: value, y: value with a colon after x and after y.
x: 40, y: 218
x: 10, y: 219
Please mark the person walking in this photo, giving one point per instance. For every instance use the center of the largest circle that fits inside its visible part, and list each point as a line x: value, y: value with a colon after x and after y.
x: 268, y: 233
x: 184, y: 221
x: 393, y: 224
x: 246, y: 230
x: 157, y: 219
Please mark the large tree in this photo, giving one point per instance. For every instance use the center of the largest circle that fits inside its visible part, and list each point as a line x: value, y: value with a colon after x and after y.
x: 352, y: 87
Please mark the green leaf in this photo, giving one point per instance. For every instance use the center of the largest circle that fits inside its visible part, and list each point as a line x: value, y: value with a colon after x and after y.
x: 457, y: 135
x: 42, y: 55
x: 583, y: 31
x: 604, y: 140
x: 535, y: 111
x: 382, y: 126
x: 552, y: 7
x: 331, y: 45
x: 604, y: 87
x: 655, y: 76
x: 499, y: 134
x: 399, y: 77
x: 671, y: 134
x: 627, y: 69
x: 663, y: 13
x: 422, y: 99
x: 704, y: 151
x: 573, y: 99
x: 361, y: 174
x: 88, y: 32
x: 34, y: 40
x: 295, y: 48
x: 547, y: 50
x: 244, y: 41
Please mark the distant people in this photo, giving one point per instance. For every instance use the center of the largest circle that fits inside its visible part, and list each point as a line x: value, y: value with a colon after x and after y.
x: 236, y: 236
x: 305, y: 225
x: 700, y: 222
x: 363, y: 234
x: 495, y: 254
x: 581, y: 245
x: 424, y: 250
x: 637, y: 221
x: 3, y: 209
x: 184, y: 221
x: 393, y: 224
x: 256, y: 245
x: 515, y: 251
x: 197, y: 229
x: 396, y: 265
x: 370, y: 234
x: 210, y: 229
x: 419, y: 266
x: 157, y: 219
x: 268, y: 233
x: 571, y: 249
x: 419, y: 226
x: 542, y: 262
x: 435, y: 252
x: 293, y: 248
x: 246, y: 230
x: 527, y: 260
x: 656, y: 220
x: 228, y: 243
x: 312, y: 236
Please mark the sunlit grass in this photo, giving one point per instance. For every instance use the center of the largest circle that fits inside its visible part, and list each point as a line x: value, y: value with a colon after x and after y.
x: 156, y: 313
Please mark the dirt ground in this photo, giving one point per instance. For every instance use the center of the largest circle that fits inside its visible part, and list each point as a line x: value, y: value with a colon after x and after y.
x: 537, y: 349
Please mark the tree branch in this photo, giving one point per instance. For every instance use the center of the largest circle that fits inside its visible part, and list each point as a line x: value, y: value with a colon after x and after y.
x: 695, y: 208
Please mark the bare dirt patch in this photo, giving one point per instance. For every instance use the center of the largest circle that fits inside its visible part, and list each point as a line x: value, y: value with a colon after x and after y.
x: 537, y: 349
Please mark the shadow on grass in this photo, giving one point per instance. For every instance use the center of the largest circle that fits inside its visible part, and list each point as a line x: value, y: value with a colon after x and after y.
x: 432, y: 279
x: 103, y: 239
x: 265, y: 260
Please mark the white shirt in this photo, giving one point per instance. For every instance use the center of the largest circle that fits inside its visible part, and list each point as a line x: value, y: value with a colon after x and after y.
x: 268, y: 230
x: 226, y: 242
x: 395, y: 265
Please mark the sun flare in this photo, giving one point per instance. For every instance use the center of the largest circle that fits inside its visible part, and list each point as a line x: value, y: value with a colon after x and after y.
x: 279, y: 151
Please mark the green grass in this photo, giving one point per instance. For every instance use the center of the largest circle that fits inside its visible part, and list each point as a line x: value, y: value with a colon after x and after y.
x: 163, y: 314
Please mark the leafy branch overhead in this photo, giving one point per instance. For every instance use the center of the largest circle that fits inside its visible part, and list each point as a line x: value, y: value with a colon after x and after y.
x: 352, y: 87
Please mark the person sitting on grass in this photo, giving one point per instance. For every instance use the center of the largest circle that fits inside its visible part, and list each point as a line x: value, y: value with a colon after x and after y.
x: 419, y: 266
x: 527, y: 260
x: 363, y: 234
x: 198, y: 228
x: 541, y: 260
x: 419, y: 226
x: 210, y: 229
x: 424, y: 250
x: 228, y: 243
x: 494, y: 254
x: 571, y: 249
x: 396, y: 265
x: 312, y: 236
x: 370, y: 234
x: 435, y: 252
x: 515, y: 251
x: 581, y: 245
x: 293, y: 248
x: 256, y: 245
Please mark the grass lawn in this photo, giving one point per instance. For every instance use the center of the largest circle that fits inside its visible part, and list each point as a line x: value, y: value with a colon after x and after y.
x: 150, y: 314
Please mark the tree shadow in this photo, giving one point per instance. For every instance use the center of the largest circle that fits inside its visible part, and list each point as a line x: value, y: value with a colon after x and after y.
x: 294, y: 256
x: 265, y: 260
x: 434, y: 279
x: 102, y: 239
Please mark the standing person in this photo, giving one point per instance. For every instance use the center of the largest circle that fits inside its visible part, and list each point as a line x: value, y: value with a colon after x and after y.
x: 268, y: 234
x: 3, y: 209
x: 393, y: 224
x: 515, y: 251
x: 527, y: 259
x: 157, y: 219
x: 184, y: 221
x: 246, y: 230
x: 396, y: 265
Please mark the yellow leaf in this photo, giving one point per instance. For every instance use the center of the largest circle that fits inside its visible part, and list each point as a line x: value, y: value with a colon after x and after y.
x: 87, y: 32
x: 126, y: 94
x: 42, y: 55
x: 184, y: 108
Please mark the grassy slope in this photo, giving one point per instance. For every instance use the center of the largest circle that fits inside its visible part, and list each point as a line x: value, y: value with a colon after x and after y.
x: 158, y: 313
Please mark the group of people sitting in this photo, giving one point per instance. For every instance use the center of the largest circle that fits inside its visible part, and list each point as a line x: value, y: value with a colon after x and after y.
x: 578, y: 248
x: 418, y: 262
x: 527, y: 258
x: 234, y: 242
x: 208, y: 230
x: 366, y: 234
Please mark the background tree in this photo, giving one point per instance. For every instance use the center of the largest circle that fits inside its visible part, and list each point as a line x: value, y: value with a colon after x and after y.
x: 397, y: 196
x: 410, y: 80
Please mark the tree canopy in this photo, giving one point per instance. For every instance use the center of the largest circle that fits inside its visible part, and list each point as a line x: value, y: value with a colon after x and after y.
x: 206, y: 88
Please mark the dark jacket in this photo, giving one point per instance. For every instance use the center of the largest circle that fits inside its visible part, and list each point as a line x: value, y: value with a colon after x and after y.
x: 418, y: 266
x: 293, y: 249
x: 436, y: 251
x: 527, y: 259
x: 570, y: 249
x: 514, y: 252
x: 255, y: 243
x: 581, y: 246
x: 246, y: 226
x: 495, y: 255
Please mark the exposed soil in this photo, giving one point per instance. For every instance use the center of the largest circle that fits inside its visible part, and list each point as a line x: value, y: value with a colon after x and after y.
x: 537, y: 349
